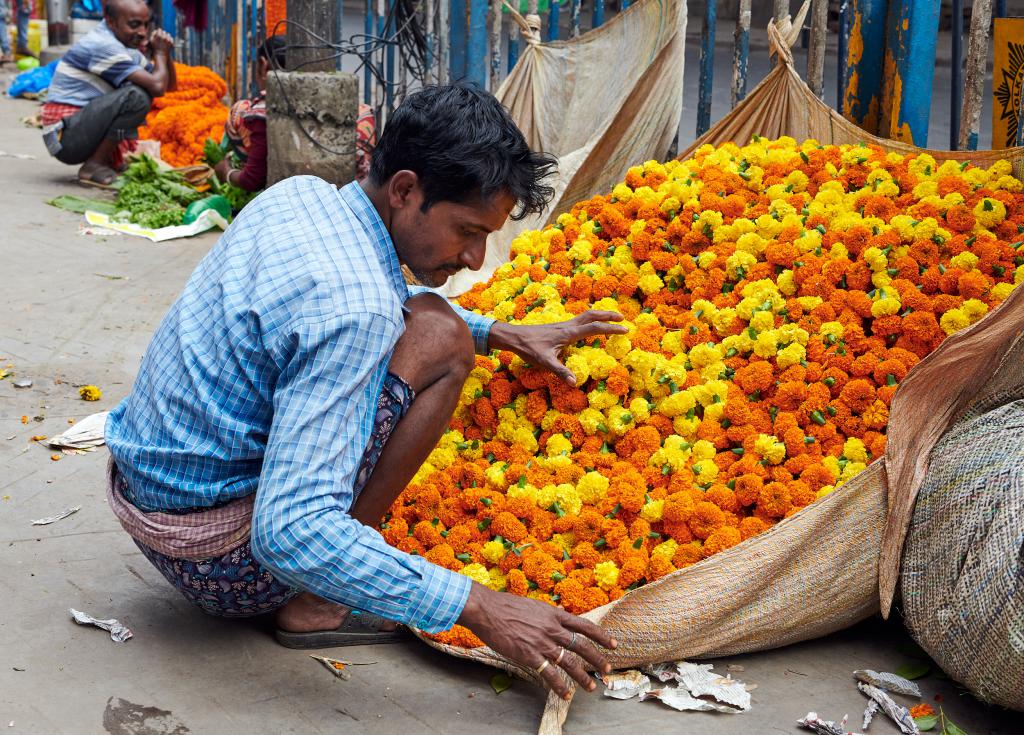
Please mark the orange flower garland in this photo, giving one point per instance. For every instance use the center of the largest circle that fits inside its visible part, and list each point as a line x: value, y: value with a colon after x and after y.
x: 182, y: 120
x: 776, y: 295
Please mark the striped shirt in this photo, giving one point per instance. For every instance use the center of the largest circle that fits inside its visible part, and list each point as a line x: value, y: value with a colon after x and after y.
x: 263, y: 378
x: 94, y: 66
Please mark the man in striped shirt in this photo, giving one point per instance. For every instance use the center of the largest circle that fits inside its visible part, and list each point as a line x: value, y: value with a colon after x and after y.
x: 102, y: 90
x: 296, y: 385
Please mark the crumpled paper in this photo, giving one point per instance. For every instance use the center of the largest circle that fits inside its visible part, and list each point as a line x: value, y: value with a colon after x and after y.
x: 898, y: 713
x: 119, y: 632
x: 678, y: 698
x: 625, y: 685
x: 699, y: 689
x: 889, y: 682
x: 824, y: 727
x: 53, y: 519
x: 85, y: 436
x: 869, y: 714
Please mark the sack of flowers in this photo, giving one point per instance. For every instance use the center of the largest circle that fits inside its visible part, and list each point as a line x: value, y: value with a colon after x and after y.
x: 710, y: 485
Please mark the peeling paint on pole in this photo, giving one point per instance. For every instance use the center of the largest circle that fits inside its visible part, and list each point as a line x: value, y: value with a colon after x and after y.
x: 864, y: 53
x: 707, y: 68
x: 741, y: 52
x: 974, y: 79
x: 908, y: 70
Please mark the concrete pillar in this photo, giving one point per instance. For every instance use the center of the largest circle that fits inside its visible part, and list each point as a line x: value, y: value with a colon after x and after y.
x: 311, y: 125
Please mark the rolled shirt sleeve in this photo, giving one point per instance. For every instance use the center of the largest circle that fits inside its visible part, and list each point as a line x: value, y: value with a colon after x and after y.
x: 302, y: 529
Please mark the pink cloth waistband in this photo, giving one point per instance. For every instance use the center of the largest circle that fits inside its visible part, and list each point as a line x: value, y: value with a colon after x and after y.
x: 193, y: 536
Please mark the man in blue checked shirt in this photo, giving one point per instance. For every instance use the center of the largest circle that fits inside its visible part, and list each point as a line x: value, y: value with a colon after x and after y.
x: 296, y: 385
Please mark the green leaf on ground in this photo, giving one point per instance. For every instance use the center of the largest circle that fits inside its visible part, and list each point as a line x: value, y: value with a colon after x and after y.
x: 948, y: 728
x: 913, y: 671
x: 926, y: 723
x: 501, y: 682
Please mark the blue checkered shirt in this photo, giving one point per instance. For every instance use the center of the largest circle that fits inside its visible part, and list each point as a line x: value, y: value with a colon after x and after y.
x: 263, y: 378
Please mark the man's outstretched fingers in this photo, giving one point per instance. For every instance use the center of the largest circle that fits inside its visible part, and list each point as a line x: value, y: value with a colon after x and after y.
x: 573, y: 666
x: 589, y: 629
x: 555, y: 680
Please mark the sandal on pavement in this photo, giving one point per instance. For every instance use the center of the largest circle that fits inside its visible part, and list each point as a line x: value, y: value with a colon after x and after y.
x: 359, y: 629
x: 101, y: 178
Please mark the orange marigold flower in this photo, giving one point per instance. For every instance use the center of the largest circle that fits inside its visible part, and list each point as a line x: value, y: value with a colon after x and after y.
x: 706, y: 518
x: 751, y: 526
x: 722, y: 538
x: 774, y: 499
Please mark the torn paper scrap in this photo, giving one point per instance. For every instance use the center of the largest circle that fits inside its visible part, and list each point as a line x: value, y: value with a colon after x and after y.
x: 898, y: 713
x: 889, y: 682
x: 119, y: 633
x: 678, y: 698
x: 53, y: 519
x: 661, y: 672
x: 869, y: 714
x: 824, y: 727
x: 700, y: 681
x: 86, y: 435
x: 625, y: 685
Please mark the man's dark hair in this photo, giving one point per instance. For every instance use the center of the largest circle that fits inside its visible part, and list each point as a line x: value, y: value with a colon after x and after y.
x: 273, y: 50
x: 462, y: 143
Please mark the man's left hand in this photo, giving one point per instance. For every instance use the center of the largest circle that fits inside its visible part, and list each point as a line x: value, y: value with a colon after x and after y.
x: 542, y: 344
x: 161, y: 41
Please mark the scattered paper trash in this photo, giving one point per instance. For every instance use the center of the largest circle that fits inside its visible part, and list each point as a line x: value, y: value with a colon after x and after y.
x: 889, y: 682
x: 824, y: 727
x: 700, y: 681
x: 22, y: 383
x: 625, y: 685
x: 53, y: 519
x: 898, y: 713
x: 678, y: 698
x: 869, y: 714
x: 338, y: 667
x: 84, y: 436
x: 119, y: 633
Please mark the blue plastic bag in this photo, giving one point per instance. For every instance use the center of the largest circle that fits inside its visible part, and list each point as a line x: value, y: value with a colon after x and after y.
x: 32, y: 81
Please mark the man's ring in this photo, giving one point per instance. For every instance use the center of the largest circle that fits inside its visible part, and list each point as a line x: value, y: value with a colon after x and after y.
x: 561, y: 655
x: 572, y: 640
x: 540, y: 669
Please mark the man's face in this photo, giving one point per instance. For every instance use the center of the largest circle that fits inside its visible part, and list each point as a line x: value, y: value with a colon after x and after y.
x: 130, y: 24
x: 448, y: 237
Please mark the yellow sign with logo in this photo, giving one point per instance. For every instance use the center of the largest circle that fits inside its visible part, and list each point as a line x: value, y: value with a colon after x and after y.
x: 1007, y: 81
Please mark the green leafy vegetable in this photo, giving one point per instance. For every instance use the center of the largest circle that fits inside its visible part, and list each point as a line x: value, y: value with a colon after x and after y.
x: 150, y: 197
x: 501, y: 682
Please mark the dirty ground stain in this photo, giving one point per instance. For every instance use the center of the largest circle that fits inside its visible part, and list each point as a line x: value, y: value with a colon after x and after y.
x: 126, y: 718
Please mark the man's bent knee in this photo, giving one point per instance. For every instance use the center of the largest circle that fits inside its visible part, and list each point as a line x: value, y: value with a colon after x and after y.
x: 135, y: 98
x: 436, y: 342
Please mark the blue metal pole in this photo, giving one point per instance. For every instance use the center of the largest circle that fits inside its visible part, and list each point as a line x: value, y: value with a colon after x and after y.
x: 598, y: 13
x: 1000, y: 8
x: 863, y: 62
x: 910, y: 57
x: 956, y: 92
x: 513, y: 47
x: 457, y: 40
x: 625, y: 4
x: 553, y: 21
x: 476, y: 64
x: 707, y: 67
x: 844, y: 9
x: 169, y: 17
x: 392, y: 33
x: 368, y: 27
x: 254, y: 43
x: 741, y: 52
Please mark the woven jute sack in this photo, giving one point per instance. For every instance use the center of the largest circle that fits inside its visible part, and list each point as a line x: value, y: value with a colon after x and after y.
x: 818, y: 571
x: 962, y: 578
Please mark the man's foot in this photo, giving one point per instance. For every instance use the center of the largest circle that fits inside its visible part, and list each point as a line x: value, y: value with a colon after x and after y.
x: 95, y: 174
x: 6, y: 59
x: 309, y: 621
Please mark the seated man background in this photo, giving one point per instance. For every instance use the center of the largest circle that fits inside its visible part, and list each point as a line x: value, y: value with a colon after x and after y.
x: 102, y: 91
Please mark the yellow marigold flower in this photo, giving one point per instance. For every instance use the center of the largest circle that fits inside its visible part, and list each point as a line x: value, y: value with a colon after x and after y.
x: 1018, y: 274
x: 705, y: 472
x: 90, y: 393
x: 770, y: 448
x: 850, y: 471
x: 592, y: 487
x: 767, y: 344
x: 677, y: 404
x: 965, y: 261
x: 1001, y: 290
x: 881, y: 279
x: 763, y: 320
x: 622, y: 192
x: 493, y: 551
x: 989, y: 212
x: 601, y: 400
x: 792, y: 354
x: 652, y: 510
x: 954, y: 320
x: 640, y: 409
x: 723, y: 319
x: 666, y: 549
x: 703, y: 449
x: 974, y: 309
x: 854, y: 450
x: 477, y: 572
x: 525, y: 438
x: 705, y: 259
x: 558, y: 444
x: 496, y: 477
x: 607, y: 574
x: 885, y: 307
x: 568, y: 498
x: 498, y: 582
x: 739, y: 264
x: 650, y: 283
x: 825, y: 490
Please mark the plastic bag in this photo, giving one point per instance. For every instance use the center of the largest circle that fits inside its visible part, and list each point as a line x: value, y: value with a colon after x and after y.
x: 33, y: 81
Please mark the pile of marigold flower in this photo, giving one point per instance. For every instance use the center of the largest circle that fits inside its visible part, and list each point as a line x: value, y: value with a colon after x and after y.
x: 182, y: 120
x: 775, y: 294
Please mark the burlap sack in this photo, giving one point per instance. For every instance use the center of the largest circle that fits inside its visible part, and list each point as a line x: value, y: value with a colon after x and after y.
x: 963, y: 564
x: 819, y: 570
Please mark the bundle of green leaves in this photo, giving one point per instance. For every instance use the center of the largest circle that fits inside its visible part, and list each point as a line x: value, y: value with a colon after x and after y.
x: 150, y: 197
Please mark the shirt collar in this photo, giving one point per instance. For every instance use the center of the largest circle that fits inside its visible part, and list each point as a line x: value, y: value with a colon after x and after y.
x: 367, y: 215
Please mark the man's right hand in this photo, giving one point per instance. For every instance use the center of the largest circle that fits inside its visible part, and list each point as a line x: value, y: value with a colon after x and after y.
x: 161, y: 42
x: 531, y: 632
